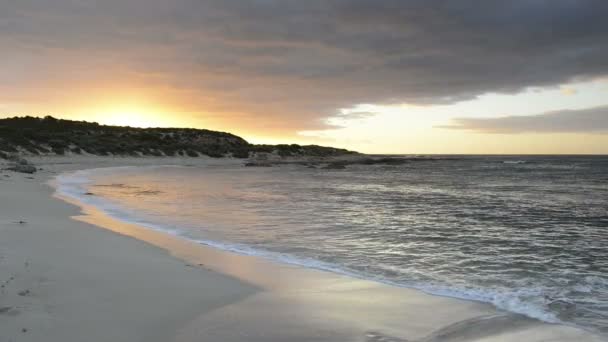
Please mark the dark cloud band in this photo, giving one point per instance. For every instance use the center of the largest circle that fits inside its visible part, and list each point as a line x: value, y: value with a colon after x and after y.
x: 299, y: 61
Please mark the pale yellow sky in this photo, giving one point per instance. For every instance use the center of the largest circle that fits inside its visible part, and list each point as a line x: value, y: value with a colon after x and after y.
x: 415, y: 129
x: 370, y: 128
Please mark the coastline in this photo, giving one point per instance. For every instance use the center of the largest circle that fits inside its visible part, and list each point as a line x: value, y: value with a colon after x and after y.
x: 87, y: 283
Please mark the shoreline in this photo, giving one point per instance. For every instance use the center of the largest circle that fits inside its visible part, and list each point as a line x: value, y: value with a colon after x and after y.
x: 102, y: 210
x: 286, y: 302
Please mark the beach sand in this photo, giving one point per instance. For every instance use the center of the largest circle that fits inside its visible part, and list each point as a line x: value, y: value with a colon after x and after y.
x: 64, y: 278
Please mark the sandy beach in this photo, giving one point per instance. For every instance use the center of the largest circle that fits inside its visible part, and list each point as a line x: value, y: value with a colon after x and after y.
x: 71, y: 273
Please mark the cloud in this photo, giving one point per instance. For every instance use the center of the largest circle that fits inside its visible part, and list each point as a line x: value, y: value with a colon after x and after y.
x: 592, y: 120
x: 288, y: 64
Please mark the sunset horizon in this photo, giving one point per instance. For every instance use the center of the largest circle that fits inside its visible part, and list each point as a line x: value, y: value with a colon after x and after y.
x: 388, y: 78
x: 304, y: 170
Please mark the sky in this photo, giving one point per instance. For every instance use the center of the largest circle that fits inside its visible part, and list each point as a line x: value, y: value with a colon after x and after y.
x: 376, y: 76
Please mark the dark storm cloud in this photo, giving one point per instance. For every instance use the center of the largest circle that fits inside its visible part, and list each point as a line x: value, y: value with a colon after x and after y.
x: 299, y: 61
x: 593, y: 120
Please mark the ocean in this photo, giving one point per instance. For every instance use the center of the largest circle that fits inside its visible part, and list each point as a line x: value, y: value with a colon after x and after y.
x: 528, y: 234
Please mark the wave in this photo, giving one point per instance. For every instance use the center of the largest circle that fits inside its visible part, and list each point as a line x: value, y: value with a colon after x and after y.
x: 530, y: 302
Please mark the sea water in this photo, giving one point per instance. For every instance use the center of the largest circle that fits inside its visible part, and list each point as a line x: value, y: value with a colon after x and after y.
x: 527, y: 234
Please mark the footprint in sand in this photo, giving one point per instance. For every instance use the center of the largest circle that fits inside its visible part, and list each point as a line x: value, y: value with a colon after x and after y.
x: 9, y: 311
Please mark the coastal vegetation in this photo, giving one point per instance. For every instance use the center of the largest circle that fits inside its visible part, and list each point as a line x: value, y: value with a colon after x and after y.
x: 50, y: 136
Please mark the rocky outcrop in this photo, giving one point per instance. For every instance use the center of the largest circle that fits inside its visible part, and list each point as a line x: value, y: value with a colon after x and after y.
x: 340, y: 162
x: 18, y: 164
x: 22, y: 168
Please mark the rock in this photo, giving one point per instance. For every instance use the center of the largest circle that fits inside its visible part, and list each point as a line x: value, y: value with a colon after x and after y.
x: 334, y: 166
x: 258, y: 164
x: 23, y: 168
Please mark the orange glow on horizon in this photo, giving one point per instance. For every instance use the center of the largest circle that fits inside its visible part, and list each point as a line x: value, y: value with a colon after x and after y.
x: 368, y: 128
x: 127, y: 118
x: 132, y: 115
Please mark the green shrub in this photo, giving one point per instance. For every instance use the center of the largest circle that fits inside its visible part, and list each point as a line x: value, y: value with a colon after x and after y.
x: 58, y: 150
x: 32, y: 134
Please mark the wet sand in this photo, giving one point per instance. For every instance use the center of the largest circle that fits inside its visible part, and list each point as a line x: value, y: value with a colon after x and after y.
x: 65, y: 279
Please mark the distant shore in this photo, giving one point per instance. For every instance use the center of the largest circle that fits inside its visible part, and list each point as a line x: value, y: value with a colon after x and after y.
x: 65, y: 279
